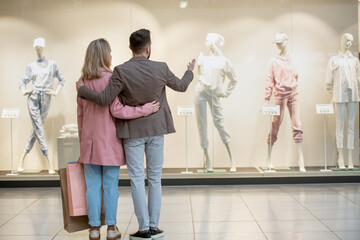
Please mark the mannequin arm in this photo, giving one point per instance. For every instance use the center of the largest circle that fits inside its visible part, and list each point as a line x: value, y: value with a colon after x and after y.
x: 56, y: 92
x: 25, y: 80
x: 270, y: 82
x: 230, y: 73
x: 330, y: 76
x: 231, y: 84
x: 358, y: 72
x: 24, y: 91
x: 58, y: 89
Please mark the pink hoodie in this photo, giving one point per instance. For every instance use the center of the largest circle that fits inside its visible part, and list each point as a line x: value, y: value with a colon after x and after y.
x: 282, y: 76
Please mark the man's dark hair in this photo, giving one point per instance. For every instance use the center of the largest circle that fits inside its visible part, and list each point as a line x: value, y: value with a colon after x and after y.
x: 139, y: 40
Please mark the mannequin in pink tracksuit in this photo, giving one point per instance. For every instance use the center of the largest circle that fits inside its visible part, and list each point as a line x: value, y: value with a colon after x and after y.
x: 282, y: 82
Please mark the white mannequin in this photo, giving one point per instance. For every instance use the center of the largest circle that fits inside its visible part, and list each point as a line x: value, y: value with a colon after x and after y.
x: 210, y: 89
x: 344, y: 100
x: 39, y: 45
x: 281, y: 43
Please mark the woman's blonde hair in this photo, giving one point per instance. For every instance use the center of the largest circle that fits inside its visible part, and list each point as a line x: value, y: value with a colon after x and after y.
x: 97, y: 56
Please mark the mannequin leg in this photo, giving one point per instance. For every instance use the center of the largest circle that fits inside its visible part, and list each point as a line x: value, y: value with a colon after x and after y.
x: 351, y: 108
x: 341, y: 158
x: 268, y: 163
x: 21, y: 165
x: 201, y: 120
x: 275, y: 125
x: 51, y: 167
x: 300, y: 157
x: 218, y: 119
x: 350, y: 159
x: 340, y: 117
x: 208, y: 164
x: 232, y: 161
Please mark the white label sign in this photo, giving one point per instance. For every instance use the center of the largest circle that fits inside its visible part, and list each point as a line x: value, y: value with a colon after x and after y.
x: 10, y: 113
x: 273, y: 110
x: 185, y: 110
x: 324, y: 109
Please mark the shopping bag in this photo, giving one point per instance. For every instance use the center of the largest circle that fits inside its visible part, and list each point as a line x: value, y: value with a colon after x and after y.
x: 76, y: 189
x: 72, y: 224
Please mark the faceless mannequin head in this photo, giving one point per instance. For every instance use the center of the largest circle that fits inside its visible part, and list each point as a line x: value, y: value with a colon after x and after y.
x: 39, y: 45
x: 281, y: 41
x: 346, y: 41
x: 214, y: 41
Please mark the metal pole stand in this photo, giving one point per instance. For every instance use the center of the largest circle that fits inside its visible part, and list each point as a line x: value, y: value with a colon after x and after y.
x: 270, y: 146
x: 12, y: 160
x: 11, y: 113
x: 325, y: 161
x: 186, y: 149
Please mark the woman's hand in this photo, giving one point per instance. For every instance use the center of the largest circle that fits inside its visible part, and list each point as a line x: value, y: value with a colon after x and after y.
x: 154, y: 105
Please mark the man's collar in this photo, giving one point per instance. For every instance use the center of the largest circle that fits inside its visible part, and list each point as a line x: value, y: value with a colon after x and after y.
x: 138, y: 58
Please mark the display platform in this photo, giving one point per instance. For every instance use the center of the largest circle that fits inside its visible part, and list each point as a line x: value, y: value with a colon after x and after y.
x: 173, y: 176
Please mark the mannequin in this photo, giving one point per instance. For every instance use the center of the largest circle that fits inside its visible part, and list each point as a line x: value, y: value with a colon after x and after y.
x: 41, y: 73
x: 343, y: 81
x: 282, y: 80
x: 213, y: 70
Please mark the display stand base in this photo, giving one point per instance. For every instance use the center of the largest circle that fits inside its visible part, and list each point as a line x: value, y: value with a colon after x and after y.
x: 30, y: 172
x: 12, y: 174
x: 276, y: 169
x: 342, y: 170
x: 325, y: 170
x: 187, y: 172
x: 215, y: 171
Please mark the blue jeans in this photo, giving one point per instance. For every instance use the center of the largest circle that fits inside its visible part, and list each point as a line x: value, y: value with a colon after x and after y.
x: 147, y: 214
x: 98, y: 178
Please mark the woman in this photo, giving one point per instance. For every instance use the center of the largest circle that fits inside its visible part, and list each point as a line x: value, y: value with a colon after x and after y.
x: 101, y: 151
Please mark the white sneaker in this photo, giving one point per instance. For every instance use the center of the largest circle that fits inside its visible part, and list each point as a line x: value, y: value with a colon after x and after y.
x: 94, y: 234
x: 113, y: 234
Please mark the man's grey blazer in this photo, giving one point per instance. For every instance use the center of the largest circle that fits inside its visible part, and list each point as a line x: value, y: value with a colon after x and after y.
x: 137, y: 82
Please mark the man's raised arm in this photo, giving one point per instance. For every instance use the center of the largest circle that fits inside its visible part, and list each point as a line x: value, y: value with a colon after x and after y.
x: 105, y: 97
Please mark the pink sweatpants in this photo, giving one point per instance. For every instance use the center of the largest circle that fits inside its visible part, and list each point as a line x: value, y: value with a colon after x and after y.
x: 293, y: 106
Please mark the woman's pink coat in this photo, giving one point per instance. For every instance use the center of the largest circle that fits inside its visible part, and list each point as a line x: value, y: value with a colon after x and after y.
x: 99, y: 144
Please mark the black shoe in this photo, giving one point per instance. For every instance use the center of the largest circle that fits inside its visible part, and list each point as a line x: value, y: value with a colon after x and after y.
x: 140, y: 236
x: 156, y: 233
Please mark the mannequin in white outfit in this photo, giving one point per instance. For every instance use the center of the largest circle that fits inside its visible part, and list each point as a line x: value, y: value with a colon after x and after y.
x: 212, y: 86
x: 41, y: 74
x: 343, y: 81
x: 282, y: 80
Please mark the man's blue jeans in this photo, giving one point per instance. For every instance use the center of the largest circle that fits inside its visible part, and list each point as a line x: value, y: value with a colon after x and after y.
x: 147, y: 214
x: 98, y: 178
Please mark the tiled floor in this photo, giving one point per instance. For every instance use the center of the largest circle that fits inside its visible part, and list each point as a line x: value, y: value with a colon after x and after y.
x: 276, y: 212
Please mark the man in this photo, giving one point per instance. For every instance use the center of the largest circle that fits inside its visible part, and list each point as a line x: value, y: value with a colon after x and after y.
x: 136, y: 82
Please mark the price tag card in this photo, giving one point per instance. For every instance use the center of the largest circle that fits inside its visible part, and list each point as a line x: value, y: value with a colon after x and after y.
x: 185, y: 110
x: 324, y: 109
x: 10, y: 113
x: 273, y: 110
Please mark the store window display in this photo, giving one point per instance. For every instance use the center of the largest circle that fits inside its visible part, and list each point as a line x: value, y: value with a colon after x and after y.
x: 41, y: 74
x: 343, y: 81
x: 213, y: 71
x: 282, y: 82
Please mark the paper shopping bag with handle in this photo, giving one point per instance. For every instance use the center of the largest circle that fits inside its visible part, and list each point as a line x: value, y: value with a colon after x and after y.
x: 72, y: 223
